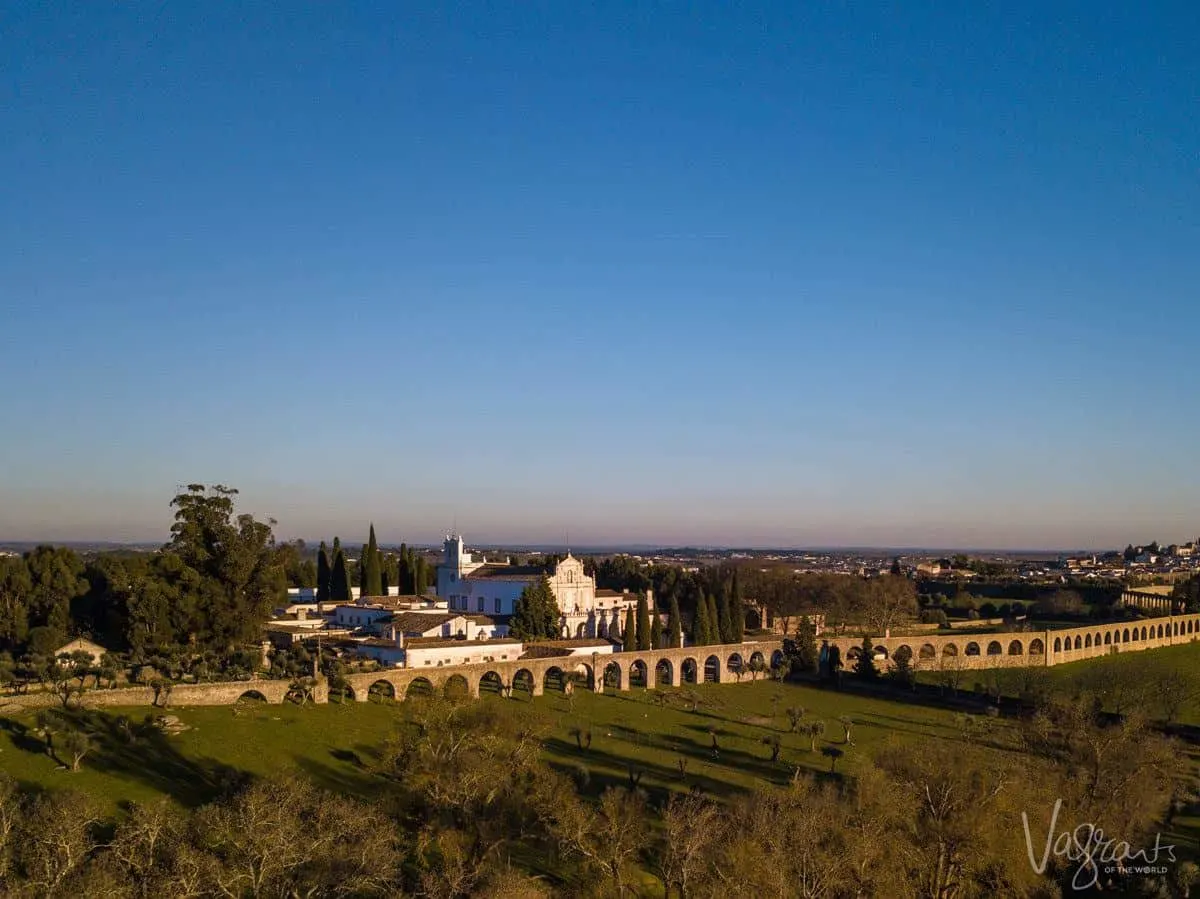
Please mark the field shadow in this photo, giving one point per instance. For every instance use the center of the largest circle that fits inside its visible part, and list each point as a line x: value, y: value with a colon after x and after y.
x: 141, y: 751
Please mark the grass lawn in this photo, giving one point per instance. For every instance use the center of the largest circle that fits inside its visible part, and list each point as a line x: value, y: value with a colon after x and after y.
x: 629, y: 731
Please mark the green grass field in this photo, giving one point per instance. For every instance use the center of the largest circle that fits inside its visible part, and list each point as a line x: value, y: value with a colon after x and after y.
x: 334, y: 743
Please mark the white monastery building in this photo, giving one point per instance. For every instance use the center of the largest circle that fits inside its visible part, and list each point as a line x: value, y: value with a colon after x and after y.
x: 492, y: 588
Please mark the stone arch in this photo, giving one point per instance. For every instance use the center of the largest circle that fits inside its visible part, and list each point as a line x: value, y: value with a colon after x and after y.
x: 554, y: 679
x: 456, y: 688
x: 295, y: 694
x: 903, y: 651
x: 1037, y: 647
x: 614, y: 677
x: 1058, y: 644
x: 712, y: 670
x: 994, y: 648
x: 1144, y: 637
x: 928, y: 652
x: 382, y: 691
x: 1096, y: 639
x: 972, y: 648
x: 341, y: 690
x: 491, y: 683
x: 639, y: 673
x: 735, y: 664
x: 1015, y: 648
x: 1078, y: 642
x: 1087, y: 642
x: 690, y: 670
x: 523, y: 681
x: 663, y: 672
x: 252, y: 696
x: 1160, y: 632
x: 757, y: 661
x: 1108, y: 638
x: 949, y: 650
x: 1125, y: 635
x: 853, y: 653
x: 881, y: 650
x: 777, y: 658
x: 584, y: 676
x: 419, y: 688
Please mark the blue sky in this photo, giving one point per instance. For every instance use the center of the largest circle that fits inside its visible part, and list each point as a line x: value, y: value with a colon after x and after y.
x: 794, y: 274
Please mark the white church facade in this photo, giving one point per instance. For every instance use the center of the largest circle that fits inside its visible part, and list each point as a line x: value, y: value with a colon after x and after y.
x: 491, y: 588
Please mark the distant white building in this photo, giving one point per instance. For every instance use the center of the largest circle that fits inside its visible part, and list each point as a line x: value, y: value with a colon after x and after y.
x: 95, y: 650
x: 493, y: 589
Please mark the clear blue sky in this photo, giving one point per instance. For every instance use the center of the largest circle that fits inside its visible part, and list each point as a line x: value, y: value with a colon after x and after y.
x: 895, y: 274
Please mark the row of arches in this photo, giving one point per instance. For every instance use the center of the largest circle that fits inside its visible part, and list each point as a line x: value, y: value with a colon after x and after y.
x: 928, y: 651
x: 1127, y: 635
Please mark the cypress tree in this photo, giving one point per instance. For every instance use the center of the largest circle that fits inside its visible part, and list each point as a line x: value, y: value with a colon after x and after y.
x: 724, y: 622
x: 405, y: 576
x: 361, y: 571
x: 383, y: 581
x: 643, y: 623
x: 629, y: 637
x: 372, y: 572
x: 714, y: 621
x: 323, y: 574
x: 339, y: 580
x: 700, y: 624
x: 675, y: 625
x: 419, y: 577
x: 656, y: 632
x: 737, y: 611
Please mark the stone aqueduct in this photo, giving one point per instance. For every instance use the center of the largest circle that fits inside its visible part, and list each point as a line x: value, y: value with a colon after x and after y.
x: 675, y: 667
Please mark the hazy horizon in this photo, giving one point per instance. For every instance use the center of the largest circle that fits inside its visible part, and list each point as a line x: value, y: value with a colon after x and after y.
x: 790, y: 275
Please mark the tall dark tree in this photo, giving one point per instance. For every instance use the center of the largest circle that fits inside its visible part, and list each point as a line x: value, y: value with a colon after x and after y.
x: 339, y: 581
x: 383, y: 581
x: 657, y: 638
x: 372, y: 572
x: 700, y: 627
x: 644, y: 639
x: 404, y: 564
x: 420, y: 575
x: 240, y: 580
x: 324, y: 573
x: 714, y: 620
x: 675, y: 625
x: 804, y: 653
x: 15, y: 587
x: 865, y: 666
x: 724, y: 620
x: 535, y: 613
x: 629, y: 634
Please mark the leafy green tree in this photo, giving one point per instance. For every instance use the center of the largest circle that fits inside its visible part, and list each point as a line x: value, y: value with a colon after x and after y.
x: 724, y: 619
x: 629, y: 634
x: 645, y: 639
x: 372, y: 573
x: 865, y: 666
x: 324, y: 574
x: 675, y: 624
x: 536, y: 614
x: 57, y: 580
x: 737, y: 610
x: 239, y: 578
x: 421, y: 576
x: 339, y: 582
x: 16, y: 585
x: 700, y: 630
x: 804, y: 655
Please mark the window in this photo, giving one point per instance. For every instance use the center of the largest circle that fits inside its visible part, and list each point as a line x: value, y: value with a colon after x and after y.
x: 481, y: 604
x: 497, y: 605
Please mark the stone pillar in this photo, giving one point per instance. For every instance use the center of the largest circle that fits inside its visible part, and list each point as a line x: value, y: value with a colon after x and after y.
x: 473, y: 687
x: 538, y: 686
x: 651, y: 672
x: 597, y: 674
x: 625, y: 672
x: 677, y: 673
